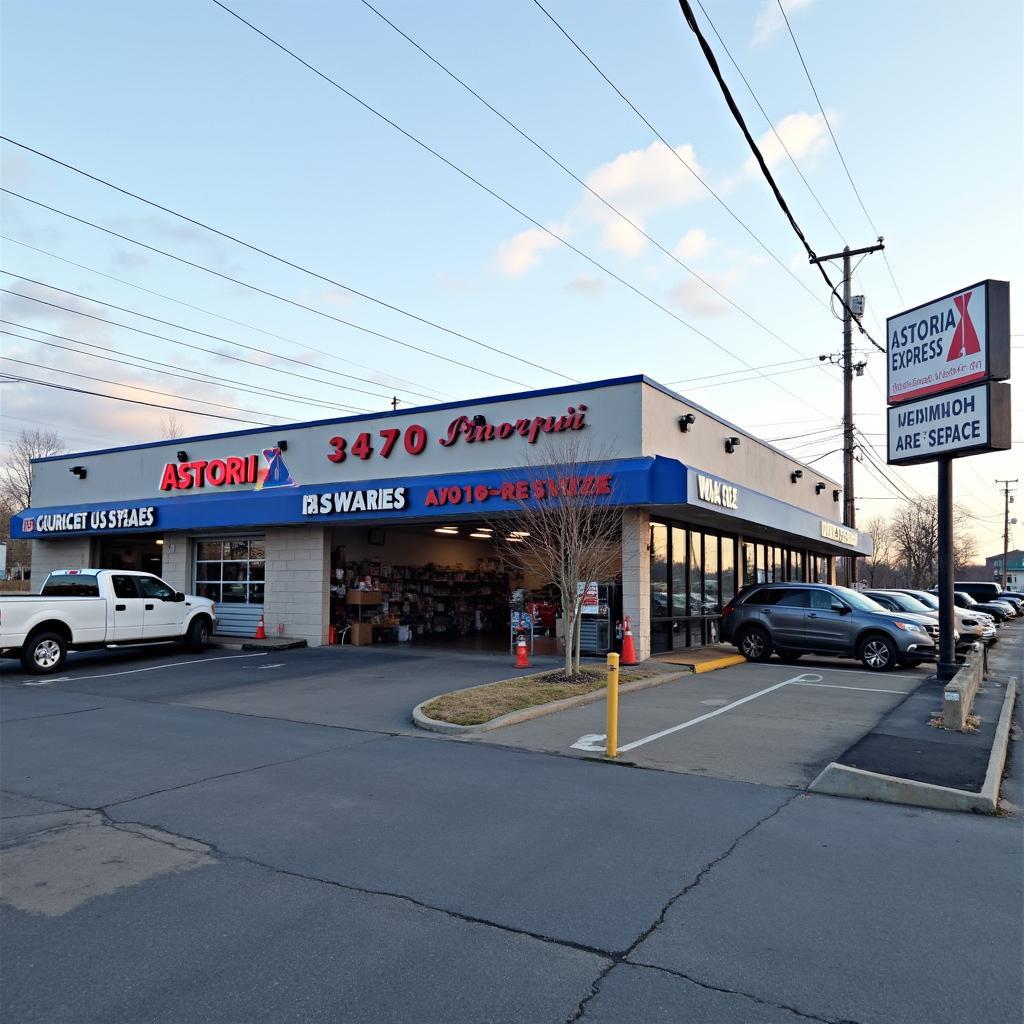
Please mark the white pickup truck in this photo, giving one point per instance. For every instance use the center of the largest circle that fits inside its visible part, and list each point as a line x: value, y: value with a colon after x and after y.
x: 88, y: 608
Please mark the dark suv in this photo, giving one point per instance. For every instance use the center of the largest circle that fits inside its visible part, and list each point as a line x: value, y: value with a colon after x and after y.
x: 792, y: 619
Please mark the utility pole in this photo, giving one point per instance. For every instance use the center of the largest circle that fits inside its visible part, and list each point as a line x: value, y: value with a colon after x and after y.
x: 1006, y: 524
x: 849, y: 513
x: 394, y: 402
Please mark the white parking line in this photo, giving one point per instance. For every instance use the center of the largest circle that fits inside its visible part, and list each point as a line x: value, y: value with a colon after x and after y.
x: 803, y: 677
x: 862, y: 689
x: 149, y: 668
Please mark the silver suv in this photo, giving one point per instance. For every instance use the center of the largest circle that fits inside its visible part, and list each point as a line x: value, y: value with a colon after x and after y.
x: 792, y: 619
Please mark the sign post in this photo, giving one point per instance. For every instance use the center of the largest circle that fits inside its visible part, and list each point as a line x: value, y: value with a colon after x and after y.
x: 943, y: 359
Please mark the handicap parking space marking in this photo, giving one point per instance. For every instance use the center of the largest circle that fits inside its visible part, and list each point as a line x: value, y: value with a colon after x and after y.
x: 147, y: 668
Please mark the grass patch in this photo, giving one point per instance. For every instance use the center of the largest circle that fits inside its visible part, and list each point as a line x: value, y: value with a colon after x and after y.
x: 484, y: 703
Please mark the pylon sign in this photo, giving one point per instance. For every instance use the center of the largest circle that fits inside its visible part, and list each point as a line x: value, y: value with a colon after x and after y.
x: 962, y: 338
x: 945, y: 358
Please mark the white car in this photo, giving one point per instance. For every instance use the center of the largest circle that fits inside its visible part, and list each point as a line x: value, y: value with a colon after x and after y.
x: 83, y: 609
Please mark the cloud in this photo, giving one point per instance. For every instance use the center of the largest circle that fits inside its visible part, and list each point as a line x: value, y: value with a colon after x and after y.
x: 769, y: 22
x: 639, y: 183
x: 587, y: 286
x: 520, y: 253
x: 693, y: 296
x: 694, y: 245
x: 806, y: 136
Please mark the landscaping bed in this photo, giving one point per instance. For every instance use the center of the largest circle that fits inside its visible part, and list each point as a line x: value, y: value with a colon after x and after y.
x: 484, y: 703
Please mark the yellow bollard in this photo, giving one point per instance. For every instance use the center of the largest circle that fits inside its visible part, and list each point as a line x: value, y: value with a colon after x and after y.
x: 613, y: 706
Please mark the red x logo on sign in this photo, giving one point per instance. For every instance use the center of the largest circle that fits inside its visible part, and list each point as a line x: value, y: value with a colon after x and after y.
x: 965, y: 337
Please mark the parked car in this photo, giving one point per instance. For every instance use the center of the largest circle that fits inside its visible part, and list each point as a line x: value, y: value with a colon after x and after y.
x: 82, y: 609
x: 931, y: 600
x: 793, y: 619
x: 980, y: 591
x: 1015, y: 602
x: 968, y: 630
x: 1000, y: 611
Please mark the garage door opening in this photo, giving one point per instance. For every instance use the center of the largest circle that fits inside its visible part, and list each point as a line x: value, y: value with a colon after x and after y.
x: 434, y: 585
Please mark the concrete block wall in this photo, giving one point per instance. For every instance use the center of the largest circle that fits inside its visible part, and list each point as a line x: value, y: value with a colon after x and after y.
x: 66, y: 553
x: 636, y: 577
x: 177, y: 562
x: 297, y: 570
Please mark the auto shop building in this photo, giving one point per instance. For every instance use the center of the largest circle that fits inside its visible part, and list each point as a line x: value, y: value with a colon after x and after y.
x: 288, y: 522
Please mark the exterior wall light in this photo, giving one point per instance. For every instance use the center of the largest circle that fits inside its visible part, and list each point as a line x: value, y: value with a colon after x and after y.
x: 687, y: 421
x: 79, y: 471
x: 283, y: 445
x: 479, y: 420
x: 795, y: 475
x: 183, y: 456
x: 731, y: 444
x: 819, y: 487
x: 835, y: 494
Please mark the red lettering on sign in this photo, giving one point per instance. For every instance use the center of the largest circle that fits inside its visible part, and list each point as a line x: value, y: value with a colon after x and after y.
x: 216, y: 472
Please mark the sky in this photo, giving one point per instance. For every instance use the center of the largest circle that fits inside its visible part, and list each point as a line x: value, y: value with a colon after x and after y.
x: 186, y: 106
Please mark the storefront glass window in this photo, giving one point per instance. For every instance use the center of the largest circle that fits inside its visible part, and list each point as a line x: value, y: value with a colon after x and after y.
x: 230, y: 571
x: 728, y: 566
x: 659, y: 571
x: 760, y: 574
x: 712, y: 590
x: 694, y: 590
x: 678, y: 572
x: 749, y: 568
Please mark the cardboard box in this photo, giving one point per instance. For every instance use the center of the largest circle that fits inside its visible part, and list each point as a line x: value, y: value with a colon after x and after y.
x: 361, y: 634
x: 359, y: 598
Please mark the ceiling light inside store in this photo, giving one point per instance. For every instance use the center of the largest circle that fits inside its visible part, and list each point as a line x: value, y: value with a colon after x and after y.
x: 481, y: 536
x: 446, y: 529
x: 514, y: 540
x: 485, y: 529
x: 519, y: 533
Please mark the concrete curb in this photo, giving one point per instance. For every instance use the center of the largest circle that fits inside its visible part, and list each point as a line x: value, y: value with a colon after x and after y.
x: 241, y: 644
x: 526, y: 714
x: 842, y: 780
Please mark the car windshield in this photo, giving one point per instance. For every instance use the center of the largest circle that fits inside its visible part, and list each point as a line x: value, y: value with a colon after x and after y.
x: 859, y: 601
x: 908, y: 603
x: 929, y: 600
x: 968, y: 601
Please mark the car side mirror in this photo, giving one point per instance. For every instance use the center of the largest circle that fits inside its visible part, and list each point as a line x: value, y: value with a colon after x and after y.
x: 841, y: 608
x: 178, y: 596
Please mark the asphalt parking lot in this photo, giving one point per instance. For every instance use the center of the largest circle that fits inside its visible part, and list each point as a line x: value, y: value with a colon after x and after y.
x: 773, y: 724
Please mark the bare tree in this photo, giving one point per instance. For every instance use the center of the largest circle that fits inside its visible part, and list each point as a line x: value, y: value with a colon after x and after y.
x: 563, y: 529
x: 16, y: 471
x: 171, y: 426
x: 878, y: 565
x: 914, y: 531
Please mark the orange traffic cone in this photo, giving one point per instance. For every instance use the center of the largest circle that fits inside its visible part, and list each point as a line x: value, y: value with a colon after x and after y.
x: 261, y: 633
x: 628, y: 650
x: 521, y: 660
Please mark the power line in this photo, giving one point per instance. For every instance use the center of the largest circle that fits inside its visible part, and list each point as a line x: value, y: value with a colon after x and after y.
x: 835, y: 142
x: 586, y: 56
x: 729, y: 373
x: 205, y: 378
x: 256, y: 288
x: 191, y: 330
x: 298, y: 267
x: 505, y: 202
x: 11, y: 378
x: 575, y: 177
x: 399, y: 384
x: 151, y: 334
x: 769, y: 122
x: 734, y: 109
x: 122, y: 384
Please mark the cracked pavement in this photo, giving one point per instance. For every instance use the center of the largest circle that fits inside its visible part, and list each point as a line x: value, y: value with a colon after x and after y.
x: 223, y: 858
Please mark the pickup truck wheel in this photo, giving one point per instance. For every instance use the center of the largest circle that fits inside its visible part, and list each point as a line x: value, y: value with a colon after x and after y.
x: 44, y: 653
x: 198, y: 636
x: 755, y: 644
x: 877, y: 653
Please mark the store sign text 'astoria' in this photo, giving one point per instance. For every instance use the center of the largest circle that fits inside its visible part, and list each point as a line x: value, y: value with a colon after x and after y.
x: 472, y: 429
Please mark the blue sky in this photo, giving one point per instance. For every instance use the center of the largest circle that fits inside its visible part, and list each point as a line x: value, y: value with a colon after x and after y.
x: 185, y: 105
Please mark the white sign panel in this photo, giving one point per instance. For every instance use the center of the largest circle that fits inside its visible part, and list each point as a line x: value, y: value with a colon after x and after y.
x: 921, y: 431
x: 945, y: 344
